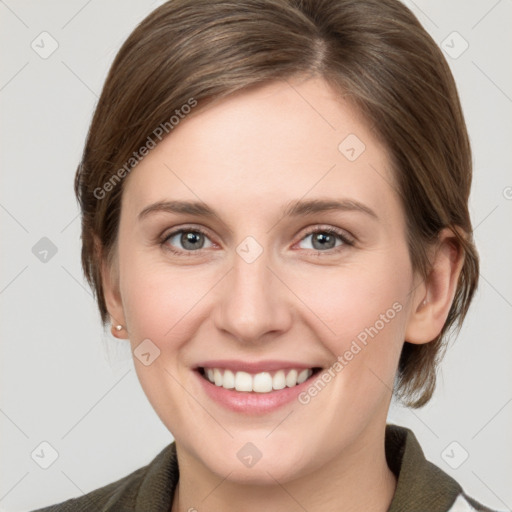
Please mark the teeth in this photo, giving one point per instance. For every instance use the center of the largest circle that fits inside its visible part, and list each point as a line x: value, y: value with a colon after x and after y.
x: 262, y: 382
x: 243, y: 381
x: 279, y: 380
x: 228, y: 381
x: 217, y: 377
x: 291, y: 378
x: 303, y: 375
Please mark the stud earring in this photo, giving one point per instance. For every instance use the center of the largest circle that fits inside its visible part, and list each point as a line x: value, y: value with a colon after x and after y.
x: 115, y: 328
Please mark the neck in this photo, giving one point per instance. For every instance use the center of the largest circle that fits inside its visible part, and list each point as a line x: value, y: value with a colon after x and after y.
x: 358, y: 479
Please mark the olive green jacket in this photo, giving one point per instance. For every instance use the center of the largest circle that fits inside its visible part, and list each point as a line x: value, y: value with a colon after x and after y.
x: 421, y: 486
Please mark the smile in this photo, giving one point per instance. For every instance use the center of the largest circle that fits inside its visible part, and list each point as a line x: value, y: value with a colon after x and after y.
x: 262, y: 382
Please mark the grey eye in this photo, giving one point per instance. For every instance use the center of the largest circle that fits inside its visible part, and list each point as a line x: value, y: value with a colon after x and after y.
x: 189, y: 240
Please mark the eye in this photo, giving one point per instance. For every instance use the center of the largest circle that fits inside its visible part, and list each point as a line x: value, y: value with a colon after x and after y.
x: 189, y: 239
x: 327, y: 239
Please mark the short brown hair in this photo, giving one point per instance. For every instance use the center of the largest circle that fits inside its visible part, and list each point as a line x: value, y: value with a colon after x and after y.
x: 374, y: 52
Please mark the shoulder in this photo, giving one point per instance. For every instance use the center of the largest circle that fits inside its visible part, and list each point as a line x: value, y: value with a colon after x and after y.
x: 422, y: 485
x: 150, y: 487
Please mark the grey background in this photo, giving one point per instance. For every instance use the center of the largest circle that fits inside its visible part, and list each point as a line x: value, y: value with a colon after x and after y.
x: 66, y: 382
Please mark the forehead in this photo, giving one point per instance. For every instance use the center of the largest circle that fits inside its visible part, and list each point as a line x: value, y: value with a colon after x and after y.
x: 264, y: 147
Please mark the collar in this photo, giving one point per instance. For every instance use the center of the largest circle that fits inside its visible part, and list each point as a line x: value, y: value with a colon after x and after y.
x: 420, y: 484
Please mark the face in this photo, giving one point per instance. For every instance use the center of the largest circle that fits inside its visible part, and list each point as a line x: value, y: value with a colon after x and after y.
x: 263, y: 243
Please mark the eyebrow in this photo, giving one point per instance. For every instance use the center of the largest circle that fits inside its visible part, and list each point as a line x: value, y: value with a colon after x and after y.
x: 293, y: 209
x: 308, y: 207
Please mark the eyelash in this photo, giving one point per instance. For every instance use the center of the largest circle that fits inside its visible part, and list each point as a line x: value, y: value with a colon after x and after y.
x: 346, y: 240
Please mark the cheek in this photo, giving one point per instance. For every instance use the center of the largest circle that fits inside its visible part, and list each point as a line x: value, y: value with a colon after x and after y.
x: 362, y: 313
x: 158, y: 302
x: 367, y: 314
x: 349, y: 299
x: 163, y: 305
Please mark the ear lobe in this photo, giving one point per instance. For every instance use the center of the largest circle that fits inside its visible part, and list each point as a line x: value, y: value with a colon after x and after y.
x: 433, y: 299
x: 112, y: 295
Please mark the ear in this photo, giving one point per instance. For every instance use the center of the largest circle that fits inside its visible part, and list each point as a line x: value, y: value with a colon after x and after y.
x: 112, y: 295
x: 433, y: 298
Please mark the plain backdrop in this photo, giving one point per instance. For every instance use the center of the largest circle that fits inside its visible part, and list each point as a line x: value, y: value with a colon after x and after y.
x: 69, y: 385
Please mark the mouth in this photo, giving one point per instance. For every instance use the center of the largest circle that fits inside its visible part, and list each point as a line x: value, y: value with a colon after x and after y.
x: 256, y: 383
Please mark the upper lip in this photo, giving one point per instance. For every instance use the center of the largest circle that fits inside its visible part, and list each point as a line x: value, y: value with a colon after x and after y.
x: 255, y: 367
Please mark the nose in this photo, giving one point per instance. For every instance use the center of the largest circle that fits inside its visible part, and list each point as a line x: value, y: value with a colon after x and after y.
x: 254, y: 305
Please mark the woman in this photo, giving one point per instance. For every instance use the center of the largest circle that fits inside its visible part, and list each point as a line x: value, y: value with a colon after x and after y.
x: 274, y: 214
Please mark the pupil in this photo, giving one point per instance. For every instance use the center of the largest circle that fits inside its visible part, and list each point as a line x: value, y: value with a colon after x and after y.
x: 188, y: 239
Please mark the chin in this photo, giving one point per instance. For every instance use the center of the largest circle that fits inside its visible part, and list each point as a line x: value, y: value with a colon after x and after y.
x: 269, y: 469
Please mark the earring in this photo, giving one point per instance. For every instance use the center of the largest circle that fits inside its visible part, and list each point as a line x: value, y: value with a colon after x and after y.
x: 116, y: 329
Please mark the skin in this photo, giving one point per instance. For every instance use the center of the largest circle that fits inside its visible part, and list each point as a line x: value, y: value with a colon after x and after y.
x: 247, y: 157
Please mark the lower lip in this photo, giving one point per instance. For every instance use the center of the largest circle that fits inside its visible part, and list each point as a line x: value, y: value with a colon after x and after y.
x: 249, y: 402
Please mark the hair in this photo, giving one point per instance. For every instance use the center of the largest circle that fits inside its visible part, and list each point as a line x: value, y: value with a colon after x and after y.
x: 374, y: 52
